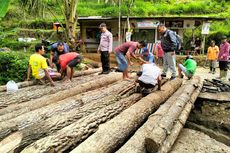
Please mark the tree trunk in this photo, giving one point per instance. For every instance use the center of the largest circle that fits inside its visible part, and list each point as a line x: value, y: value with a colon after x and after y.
x: 163, y: 128
x: 136, y: 143
x: 93, y: 101
x: 178, y: 126
x: 48, y: 99
x: 25, y: 95
x: 75, y: 133
x: 30, y: 83
x: 114, y: 132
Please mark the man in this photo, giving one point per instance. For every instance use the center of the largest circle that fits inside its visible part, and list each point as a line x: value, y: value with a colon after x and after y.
x: 212, y: 55
x: 147, y: 55
x: 223, y: 58
x: 39, y: 67
x: 188, y: 68
x: 57, y: 49
x: 150, y: 76
x: 159, y: 53
x: 105, y: 48
x: 169, y: 45
x: 123, y: 53
x: 67, y: 62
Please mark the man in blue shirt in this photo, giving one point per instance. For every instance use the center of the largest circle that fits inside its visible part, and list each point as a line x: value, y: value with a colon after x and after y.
x: 147, y: 55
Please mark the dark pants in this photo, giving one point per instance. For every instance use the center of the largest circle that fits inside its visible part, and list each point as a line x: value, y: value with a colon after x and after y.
x: 105, y: 61
x: 223, y: 65
x: 144, y: 85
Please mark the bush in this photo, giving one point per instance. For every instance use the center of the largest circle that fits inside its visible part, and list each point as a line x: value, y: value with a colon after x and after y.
x: 13, y: 66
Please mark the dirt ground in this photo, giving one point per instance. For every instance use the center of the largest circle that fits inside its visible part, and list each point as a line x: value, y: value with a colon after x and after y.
x: 191, y: 141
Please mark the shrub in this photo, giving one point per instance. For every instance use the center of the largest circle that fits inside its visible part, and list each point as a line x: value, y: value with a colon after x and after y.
x: 13, y: 66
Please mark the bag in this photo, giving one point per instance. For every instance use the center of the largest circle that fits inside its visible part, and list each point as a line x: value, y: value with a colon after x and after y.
x: 178, y: 41
x: 11, y: 86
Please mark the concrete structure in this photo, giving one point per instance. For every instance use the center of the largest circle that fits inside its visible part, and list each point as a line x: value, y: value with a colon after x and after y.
x: 144, y: 28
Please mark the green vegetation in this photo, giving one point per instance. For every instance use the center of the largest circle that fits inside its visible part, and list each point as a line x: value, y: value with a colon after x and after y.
x: 13, y: 66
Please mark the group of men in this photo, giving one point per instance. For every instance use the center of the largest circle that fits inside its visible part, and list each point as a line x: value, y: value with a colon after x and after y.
x: 60, y: 57
x: 151, y: 74
x: 65, y: 61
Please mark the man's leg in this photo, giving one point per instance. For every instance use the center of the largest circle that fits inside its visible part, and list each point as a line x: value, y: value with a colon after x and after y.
x: 165, y: 65
x: 106, y: 61
x: 103, y: 61
x: 172, y: 64
x: 68, y: 73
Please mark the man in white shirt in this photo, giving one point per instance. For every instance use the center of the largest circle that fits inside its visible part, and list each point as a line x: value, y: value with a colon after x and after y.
x: 150, y: 76
x: 105, y: 48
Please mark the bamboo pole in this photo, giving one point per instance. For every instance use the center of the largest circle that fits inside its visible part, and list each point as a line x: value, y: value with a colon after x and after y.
x: 114, y: 132
x: 163, y: 128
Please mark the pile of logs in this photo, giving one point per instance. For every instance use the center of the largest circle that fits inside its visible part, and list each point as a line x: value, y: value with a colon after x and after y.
x: 101, y: 114
x: 215, y: 90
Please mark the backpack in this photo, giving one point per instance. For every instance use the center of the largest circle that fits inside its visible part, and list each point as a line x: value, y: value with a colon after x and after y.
x: 178, y: 41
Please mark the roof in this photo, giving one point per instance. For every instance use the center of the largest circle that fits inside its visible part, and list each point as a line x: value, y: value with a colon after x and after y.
x: 153, y: 17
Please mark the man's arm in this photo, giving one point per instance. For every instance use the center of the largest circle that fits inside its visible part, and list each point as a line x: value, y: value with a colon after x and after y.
x: 28, y: 73
x: 159, y: 82
x: 51, y: 59
x: 173, y: 39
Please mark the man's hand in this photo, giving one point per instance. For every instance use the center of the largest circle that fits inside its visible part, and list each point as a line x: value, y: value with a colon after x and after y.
x: 27, y: 79
x: 98, y: 51
x: 52, y: 84
x: 131, y: 63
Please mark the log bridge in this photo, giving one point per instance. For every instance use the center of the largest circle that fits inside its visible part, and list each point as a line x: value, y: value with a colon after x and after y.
x: 95, y: 114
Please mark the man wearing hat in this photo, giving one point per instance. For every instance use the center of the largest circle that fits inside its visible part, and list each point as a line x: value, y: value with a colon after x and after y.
x: 223, y: 58
x: 188, y: 68
x: 105, y: 47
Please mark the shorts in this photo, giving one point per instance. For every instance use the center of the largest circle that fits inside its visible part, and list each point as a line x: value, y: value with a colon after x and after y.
x: 75, y: 61
x: 144, y: 85
x: 185, y: 71
x: 122, y: 61
x: 223, y: 65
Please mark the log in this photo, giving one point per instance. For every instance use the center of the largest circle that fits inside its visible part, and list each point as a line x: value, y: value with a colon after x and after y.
x: 114, y: 132
x: 48, y: 99
x: 179, y: 124
x: 64, y: 139
x: 220, y: 96
x: 136, y: 143
x: 33, y: 82
x: 96, y: 101
x: 25, y: 94
x: 30, y: 118
x: 163, y: 128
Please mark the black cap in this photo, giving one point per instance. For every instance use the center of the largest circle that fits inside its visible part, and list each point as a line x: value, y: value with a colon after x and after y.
x: 102, y: 25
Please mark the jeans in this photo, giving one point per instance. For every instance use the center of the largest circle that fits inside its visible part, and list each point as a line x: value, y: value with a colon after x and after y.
x: 122, y: 62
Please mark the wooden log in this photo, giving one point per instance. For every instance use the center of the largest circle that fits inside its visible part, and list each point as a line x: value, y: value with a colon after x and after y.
x: 220, y: 96
x: 48, y: 99
x: 163, y: 128
x: 95, y: 101
x: 33, y: 82
x: 179, y: 124
x: 30, y: 118
x: 136, y: 143
x: 25, y: 94
x: 114, y: 132
x: 75, y: 133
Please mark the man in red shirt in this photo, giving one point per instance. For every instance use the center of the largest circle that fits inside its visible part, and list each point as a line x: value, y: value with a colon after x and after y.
x: 68, y: 61
x: 124, y: 51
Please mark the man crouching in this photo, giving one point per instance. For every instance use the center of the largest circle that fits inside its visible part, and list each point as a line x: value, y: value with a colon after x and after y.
x: 68, y: 61
x: 149, y: 77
